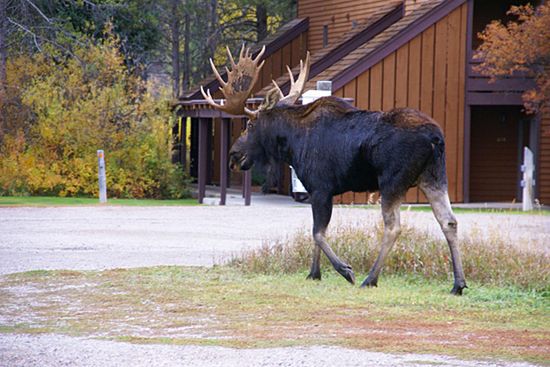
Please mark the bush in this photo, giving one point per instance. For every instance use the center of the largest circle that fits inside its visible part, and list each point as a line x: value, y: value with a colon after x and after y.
x: 81, y: 104
x: 491, y: 260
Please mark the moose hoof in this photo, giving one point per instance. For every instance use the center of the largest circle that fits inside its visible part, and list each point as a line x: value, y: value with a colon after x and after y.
x: 369, y: 283
x: 457, y: 289
x: 314, y: 275
x: 346, y: 272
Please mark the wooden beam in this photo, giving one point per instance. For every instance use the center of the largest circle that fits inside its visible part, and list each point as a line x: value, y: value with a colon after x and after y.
x: 500, y: 85
x: 480, y: 99
x: 224, y: 149
x: 203, y: 157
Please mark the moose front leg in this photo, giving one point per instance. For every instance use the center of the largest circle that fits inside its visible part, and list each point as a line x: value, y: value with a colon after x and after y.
x: 321, y: 204
x: 315, y: 271
x: 392, y: 228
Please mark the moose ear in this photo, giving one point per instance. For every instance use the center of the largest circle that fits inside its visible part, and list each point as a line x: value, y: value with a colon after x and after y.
x: 270, y: 100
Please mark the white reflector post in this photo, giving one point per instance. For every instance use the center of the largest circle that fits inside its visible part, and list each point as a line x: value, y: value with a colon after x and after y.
x: 528, y: 182
x: 101, y: 176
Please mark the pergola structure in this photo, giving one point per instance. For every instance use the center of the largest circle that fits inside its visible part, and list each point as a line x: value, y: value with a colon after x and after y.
x: 205, y: 113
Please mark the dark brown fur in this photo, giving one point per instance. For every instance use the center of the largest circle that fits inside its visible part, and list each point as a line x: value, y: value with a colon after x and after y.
x: 309, y: 114
x: 408, y: 118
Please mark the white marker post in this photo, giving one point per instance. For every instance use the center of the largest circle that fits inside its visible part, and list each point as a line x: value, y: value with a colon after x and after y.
x: 101, y: 176
x: 528, y: 182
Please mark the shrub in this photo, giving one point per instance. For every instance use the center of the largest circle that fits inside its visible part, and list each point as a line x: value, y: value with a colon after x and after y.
x: 81, y: 104
x: 492, y: 260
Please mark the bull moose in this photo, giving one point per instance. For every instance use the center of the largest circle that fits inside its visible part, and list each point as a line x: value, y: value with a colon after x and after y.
x: 334, y: 148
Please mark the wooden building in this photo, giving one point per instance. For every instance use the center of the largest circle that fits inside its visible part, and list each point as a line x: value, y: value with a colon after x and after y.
x: 395, y: 53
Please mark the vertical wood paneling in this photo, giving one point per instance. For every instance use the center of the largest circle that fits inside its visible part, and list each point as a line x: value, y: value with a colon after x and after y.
x: 414, y: 72
x: 451, y: 102
x: 287, y: 57
x: 440, y: 72
x: 401, y: 76
x: 266, y: 72
x: 427, y: 71
x: 388, y: 82
x: 296, y: 51
x: 277, y: 64
x: 375, y: 97
x: 363, y: 85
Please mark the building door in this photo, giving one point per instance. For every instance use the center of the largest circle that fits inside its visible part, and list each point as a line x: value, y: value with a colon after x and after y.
x: 498, y: 135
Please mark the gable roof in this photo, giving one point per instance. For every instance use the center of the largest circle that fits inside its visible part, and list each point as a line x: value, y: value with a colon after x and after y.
x: 387, y: 42
x: 380, y: 20
x: 378, y: 47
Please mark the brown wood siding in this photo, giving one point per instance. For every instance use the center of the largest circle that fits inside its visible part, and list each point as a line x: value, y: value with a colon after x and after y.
x: 543, y: 175
x: 426, y: 73
x: 338, y: 15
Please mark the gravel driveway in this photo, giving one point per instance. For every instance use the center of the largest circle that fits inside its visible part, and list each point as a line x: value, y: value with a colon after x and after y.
x: 84, y: 238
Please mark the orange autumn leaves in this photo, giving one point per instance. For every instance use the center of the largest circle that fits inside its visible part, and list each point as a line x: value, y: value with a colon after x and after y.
x: 521, y: 46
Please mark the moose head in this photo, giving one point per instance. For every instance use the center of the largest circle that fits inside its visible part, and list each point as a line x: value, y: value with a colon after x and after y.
x: 240, y: 80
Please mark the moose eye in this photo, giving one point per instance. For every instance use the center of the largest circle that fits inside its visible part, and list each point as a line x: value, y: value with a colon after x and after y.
x: 249, y: 125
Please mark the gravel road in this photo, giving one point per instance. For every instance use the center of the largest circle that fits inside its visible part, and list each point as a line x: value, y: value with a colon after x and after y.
x: 56, y: 351
x: 83, y: 238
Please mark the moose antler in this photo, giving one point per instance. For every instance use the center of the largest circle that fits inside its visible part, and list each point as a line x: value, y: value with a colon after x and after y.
x: 296, y: 87
x: 240, y: 81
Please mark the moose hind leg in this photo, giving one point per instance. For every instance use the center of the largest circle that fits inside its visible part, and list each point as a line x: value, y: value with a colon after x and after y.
x: 321, y: 205
x: 392, y: 228
x: 441, y: 206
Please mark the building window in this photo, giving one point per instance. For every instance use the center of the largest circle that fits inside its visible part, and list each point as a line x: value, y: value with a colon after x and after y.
x: 325, y: 35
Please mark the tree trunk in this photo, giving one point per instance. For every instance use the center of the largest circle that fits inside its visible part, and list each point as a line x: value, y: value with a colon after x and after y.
x: 261, y: 22
x: 187, y: 51
x: 175, y: 38
x: 212, y: 35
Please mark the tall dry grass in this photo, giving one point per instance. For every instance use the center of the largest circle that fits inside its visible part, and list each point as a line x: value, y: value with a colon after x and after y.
x: 491, y: 260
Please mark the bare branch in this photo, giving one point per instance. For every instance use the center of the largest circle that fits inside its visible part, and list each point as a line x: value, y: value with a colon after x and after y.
x: 39, y: 11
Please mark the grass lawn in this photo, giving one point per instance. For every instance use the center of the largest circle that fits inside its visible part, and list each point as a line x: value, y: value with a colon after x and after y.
x: 224, y: 306
x: 70, y: 201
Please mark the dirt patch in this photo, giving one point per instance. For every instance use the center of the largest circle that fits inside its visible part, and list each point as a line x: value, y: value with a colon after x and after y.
x: 200, y: 306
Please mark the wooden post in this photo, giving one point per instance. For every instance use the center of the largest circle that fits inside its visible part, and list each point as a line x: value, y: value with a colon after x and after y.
x: 203, y: 164
x: 224, y: 149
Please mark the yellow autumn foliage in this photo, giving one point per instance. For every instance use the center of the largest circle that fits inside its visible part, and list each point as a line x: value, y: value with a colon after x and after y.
x: 76, y: 106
